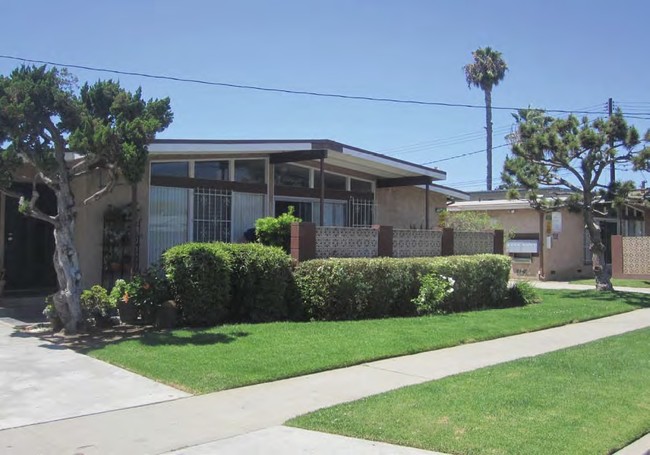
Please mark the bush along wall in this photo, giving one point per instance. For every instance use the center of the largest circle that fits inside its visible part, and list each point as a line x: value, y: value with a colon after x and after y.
x: 218, y: 282
x: 335, y: 289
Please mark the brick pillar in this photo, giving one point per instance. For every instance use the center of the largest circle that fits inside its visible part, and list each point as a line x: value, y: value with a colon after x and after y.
x: 303, y: 241
x: 617, y: 256
x: 447, y: 242
x: 385, y: 243
x: 498, y: 241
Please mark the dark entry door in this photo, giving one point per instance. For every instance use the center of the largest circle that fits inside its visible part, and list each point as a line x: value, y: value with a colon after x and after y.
x: 608, y: 229
x: 29, y: 243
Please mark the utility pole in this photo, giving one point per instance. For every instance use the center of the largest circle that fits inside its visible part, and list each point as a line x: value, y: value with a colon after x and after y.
x: 612, y: 166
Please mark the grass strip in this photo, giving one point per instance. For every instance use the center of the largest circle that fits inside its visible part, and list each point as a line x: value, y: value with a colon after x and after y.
x: 201, y: 361
x: 590, y: 399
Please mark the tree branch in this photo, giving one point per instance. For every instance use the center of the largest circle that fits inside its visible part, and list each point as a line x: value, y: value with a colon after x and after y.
x: 112, y: 179
x: 31, y: 209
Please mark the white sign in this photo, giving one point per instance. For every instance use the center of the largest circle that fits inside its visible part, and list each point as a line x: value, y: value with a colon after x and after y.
x: 556, y: 222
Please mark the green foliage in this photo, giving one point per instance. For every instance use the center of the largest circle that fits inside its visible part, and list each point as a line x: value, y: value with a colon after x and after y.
x: 199, y: 278
x: 522, y: 293
x: 276, y: 231
x: 433, y: 290
x: 118, y: 292
x: 260, y: 277
x: 335, y: 289
x: 487, y: 70
x: 96, y: 304
x: 469, y: 221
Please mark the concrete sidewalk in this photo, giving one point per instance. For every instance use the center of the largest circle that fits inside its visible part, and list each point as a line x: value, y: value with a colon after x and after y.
x: 581, y: 287
x: 193, y: 421
x: 41, y: 382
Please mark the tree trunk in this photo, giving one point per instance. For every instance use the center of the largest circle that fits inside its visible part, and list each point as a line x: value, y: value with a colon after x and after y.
x: 66, y: 263
x: 597, y: 248
x: 488, y: 127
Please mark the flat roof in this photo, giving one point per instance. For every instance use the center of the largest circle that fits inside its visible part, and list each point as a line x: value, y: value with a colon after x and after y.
x: 356, y: 158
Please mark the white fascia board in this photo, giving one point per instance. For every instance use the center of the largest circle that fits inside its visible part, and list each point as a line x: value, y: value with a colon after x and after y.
x: 490, y: 205
x: 437, y: 175
x: 447, y: 192
x: 190, y: 147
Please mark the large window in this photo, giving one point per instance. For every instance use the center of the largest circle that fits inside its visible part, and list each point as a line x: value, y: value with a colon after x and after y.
x: 332, y: 181
x: 211, y: 215
x: 360, y: 186
x: 301, y: 209
x: 291, y: 175
x: 170, y: 169
x: 212, y: 170
x: 250, y: 171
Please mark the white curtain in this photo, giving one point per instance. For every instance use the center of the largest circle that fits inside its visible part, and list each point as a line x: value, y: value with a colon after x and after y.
x: 168, y: 219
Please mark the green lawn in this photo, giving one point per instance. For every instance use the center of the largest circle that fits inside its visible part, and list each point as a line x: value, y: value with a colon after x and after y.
x: 618, y: 282
x: 207, y: 360
x: 590, y: 399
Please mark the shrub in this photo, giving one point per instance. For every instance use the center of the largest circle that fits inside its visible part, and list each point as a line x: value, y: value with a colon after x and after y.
x: 334, y: 289
x: 199, y: 280
x: 522, y: 293
x: 468, y: 221
x: 259, y: 277
x: 276, y: 231
x: 433, y: 290
x: 96, y: 305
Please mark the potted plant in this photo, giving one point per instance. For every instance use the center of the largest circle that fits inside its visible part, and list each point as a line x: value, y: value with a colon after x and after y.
x: 126, y: 306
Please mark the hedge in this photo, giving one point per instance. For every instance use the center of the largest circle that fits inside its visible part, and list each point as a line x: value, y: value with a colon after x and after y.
x: 336, y: 289
x: 219, y: 282
x: 199, y: 279
x: 260, y: 277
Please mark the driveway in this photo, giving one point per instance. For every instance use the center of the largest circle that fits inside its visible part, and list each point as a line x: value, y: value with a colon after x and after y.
x: 42, y: 382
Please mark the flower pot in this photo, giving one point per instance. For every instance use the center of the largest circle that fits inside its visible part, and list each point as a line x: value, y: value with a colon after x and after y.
x: 128, y: 312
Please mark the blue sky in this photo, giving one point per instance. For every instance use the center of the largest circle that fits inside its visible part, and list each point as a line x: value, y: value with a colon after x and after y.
x: 561, y: 54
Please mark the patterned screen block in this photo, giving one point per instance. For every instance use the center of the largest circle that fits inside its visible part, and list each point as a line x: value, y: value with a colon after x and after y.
x: 346, y: 242
x: 411, y: 243
x: 473, y: 242
x: 636, y: 255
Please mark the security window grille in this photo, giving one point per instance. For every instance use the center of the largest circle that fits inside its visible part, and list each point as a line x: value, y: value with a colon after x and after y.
x: 363, y: 212
x: 212, y: 215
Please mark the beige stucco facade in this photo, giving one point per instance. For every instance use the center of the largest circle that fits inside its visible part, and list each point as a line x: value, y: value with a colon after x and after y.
x: 560, y: 254
x: 404, y: 207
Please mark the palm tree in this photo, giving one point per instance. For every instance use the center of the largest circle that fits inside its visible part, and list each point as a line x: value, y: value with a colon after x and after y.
x: 486, y: 72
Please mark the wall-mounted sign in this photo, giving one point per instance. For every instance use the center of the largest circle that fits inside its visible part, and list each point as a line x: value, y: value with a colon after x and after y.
x: 556, y: 222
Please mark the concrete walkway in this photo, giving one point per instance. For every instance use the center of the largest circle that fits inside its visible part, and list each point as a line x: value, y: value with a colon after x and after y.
x: 581, y: 287
x: 41, y: 382
x: 194, y: 421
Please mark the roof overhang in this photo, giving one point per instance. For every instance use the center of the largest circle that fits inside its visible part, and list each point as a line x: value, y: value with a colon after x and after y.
x: 380, y: 166
x: 498, y: 204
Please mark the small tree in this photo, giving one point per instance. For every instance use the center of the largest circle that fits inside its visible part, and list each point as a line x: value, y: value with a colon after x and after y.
x: 63, y: 134
x: 573, y: 154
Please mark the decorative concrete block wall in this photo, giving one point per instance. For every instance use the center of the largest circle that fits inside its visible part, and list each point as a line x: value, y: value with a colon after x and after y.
x: 473, y: 242
x: 408, y: 243
x: 636, y: 255
x: 346, y: 242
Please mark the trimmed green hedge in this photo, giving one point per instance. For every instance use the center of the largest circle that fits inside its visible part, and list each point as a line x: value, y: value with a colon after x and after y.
x: 335, y: 289
x: 199, y: 278
x: 218, y: 282
x: 260, y: 276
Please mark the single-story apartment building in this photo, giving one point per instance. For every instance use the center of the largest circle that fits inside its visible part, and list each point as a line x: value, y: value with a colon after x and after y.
x: 552, y: 246
x: 214, y: 190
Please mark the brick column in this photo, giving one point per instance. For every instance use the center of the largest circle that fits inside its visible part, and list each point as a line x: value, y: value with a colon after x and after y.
x: 447, y: 242
x: 617, y: 256
x: 303, y: 241
x: 385, y: 241
x: 498, y: 241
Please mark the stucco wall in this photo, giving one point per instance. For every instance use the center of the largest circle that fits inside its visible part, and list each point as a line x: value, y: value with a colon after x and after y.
x: 403, y: 207
x: 90, y: 224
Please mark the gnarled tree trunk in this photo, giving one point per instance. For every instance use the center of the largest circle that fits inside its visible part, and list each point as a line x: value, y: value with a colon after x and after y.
x: 66, y: 263
x: 597, y: 247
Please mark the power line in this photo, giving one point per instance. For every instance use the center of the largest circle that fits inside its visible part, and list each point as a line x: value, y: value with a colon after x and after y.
x: 463, y: 155
x: 275, y: 89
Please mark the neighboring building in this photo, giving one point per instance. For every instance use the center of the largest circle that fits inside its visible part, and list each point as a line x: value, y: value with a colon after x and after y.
x: 203, y: 190
x: 552, y: 246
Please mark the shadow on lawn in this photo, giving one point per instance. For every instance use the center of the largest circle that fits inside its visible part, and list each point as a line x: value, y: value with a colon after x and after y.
x: 197, y: 338
x: 629, y: 298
